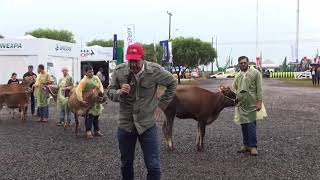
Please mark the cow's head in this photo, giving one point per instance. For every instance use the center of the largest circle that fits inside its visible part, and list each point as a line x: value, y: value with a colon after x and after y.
x: 99, y: 96
x: 28, y: 80
x: 228, y: 92
x: 230, y: 96
x: 53, y: 91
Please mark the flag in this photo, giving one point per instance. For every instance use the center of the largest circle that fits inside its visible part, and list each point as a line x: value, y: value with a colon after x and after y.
x: 166, y: 54
x: 115, y: 46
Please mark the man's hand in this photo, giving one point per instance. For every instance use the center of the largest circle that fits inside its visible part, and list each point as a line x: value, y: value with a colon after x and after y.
x: 125, y: 89
x: 157, y: 113
x: 258, y: 105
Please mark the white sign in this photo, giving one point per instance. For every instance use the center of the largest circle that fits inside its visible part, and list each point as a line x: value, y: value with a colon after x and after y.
x: 96, y: 53
x: 10, y: 46
x: 129, y: 37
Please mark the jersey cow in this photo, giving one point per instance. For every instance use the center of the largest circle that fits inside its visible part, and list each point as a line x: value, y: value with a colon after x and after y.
x: 79, y: 108
x: 199, y: 104
x: 16, y: 96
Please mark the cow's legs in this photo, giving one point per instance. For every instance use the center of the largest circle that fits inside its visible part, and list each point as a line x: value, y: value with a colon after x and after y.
x: 200, y: 135
x: 76, y: 119
x: 167, y: 128
x: 12, y: 113
x: 23, y: 112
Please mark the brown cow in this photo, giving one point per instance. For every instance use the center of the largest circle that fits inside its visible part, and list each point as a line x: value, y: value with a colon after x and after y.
x: 75, y: 106
x: 16, y: 96
x: 199, y: 104
x: 80, y: 109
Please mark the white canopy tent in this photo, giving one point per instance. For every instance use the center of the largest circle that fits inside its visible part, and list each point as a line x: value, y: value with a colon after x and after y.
x: 98, y: 57
x: 17, y: 54
x: 269, y: 64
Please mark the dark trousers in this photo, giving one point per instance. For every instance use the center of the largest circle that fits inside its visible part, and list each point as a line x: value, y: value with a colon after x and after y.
x: 149, y: 142
x: 32, y: 103
x: 314, y: 80
x: 92, y: 120
x: 249, y: 134
x: 44, y: 112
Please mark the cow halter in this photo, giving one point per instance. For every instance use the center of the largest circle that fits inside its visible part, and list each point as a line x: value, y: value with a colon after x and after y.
x: 234, y: 100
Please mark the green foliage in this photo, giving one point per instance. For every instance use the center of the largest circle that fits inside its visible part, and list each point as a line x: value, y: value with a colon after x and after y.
x: 153, y: 53
x: 60, y: 35
x: 104, y: 43
x: 189, y: 53
x: 284, y: 67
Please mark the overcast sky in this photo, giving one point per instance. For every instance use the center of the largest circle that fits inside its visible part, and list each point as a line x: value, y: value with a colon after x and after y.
x: 232, y: 21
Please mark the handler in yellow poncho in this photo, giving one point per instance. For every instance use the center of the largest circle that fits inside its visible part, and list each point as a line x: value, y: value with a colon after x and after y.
x: 42, y: 95
x: 86, y: 84
x: 248, y: 87
x: 65, y: 84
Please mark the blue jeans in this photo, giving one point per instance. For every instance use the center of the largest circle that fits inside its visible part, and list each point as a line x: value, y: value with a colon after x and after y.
x: 249, y: 134
x: 44, y: 112
x: 149, y: 142
x: 62, y: 115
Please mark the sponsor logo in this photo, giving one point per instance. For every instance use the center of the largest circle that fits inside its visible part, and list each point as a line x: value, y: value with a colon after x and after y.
x: 130, y: 35
x: 86, y: 53
x: 62, y: 48
x: 10, y: 45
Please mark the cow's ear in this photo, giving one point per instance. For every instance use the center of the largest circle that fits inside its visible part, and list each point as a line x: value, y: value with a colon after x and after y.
x: 222, y: 88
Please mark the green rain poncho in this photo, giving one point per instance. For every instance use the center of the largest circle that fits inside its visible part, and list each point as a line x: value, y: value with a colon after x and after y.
x: 42, y: 96
x: 86, y: 84
x: 62, y: 101
x: 248, y: 87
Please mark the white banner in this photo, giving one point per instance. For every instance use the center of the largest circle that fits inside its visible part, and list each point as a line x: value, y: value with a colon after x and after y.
x: 170, y: 51
x: 129, y: 38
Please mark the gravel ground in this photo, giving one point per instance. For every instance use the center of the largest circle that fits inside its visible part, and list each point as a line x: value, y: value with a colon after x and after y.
x: 288, y: 144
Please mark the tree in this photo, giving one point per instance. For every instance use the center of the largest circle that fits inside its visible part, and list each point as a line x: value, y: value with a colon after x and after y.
x: 104, y: 43
x: 190, y: 53
x: 284, y: 66
x: 60, y: 35
x: 153, y: 53
x: 1, y: 37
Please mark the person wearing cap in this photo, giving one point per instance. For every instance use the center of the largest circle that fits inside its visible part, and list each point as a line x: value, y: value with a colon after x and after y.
x: 134, y: 85
x: 65, y: 84
x: 26, y: 75
x: 87, y: 83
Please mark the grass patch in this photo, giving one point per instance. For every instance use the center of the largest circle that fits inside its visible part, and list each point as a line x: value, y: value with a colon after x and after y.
x: 298, y: 82
x: 186, y: 81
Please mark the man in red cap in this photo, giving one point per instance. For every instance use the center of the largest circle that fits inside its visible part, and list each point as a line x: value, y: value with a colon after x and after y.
x: 134, y: 85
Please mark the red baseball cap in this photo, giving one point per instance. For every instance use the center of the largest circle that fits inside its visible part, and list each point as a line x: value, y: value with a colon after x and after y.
x: 135, y: 52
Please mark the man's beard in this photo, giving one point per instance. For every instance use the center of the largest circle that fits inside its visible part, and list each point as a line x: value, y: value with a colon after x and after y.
x: 244, y: 68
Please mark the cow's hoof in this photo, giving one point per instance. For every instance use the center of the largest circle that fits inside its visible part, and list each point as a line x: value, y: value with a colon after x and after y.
x: 200, y: 149
x: 171, y: 149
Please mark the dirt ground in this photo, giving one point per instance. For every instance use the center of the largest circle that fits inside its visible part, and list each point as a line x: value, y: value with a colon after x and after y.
x: 288, y: 144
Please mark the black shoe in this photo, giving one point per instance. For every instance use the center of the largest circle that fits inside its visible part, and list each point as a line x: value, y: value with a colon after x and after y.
x: 60, y: 123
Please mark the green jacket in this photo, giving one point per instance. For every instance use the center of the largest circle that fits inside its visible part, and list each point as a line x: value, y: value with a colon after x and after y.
x: 137, y: 108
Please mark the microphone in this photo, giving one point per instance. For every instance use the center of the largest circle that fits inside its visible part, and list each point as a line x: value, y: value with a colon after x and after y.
x: 129, y: 79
